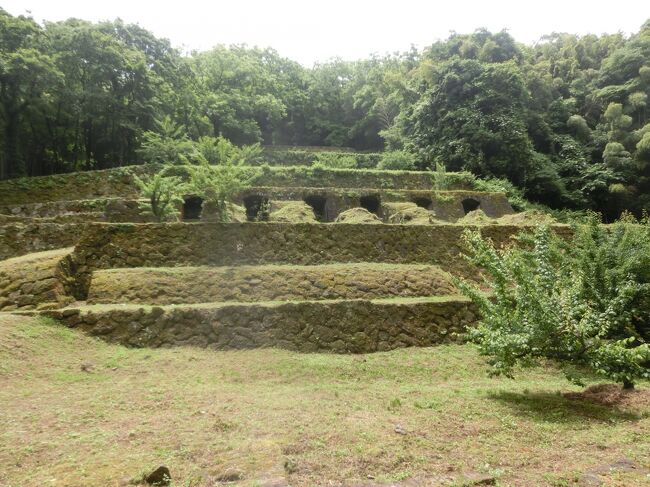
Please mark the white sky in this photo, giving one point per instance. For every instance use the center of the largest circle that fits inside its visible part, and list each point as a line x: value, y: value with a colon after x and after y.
x: 309, y: 31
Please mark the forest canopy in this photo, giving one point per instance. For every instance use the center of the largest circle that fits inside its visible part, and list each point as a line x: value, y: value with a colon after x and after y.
x: 565, y: 119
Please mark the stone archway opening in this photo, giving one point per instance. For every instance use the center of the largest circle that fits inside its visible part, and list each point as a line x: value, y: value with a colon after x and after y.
x: 192, y: 207
x: 470, y: 204
x: 371, y: 202
x: 423, y: 202
x: 317, y: 204
x: 257, y: 208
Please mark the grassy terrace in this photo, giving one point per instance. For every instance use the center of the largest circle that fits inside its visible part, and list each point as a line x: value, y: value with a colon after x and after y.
x: 76, y: 411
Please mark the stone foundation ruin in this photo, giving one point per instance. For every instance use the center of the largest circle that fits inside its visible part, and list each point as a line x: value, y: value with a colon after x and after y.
x: 80, y: 248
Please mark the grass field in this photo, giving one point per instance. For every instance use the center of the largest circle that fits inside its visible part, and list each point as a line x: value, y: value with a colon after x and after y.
x: 75, y: 411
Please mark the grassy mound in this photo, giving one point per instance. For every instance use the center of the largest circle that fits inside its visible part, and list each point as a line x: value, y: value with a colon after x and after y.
x: 530, y: 217
x: 408, y: 213
x: 357, y: 215
x: 476, y: 217
x: 292, y: 212
x: 526, y: 218
x: 236, y: 213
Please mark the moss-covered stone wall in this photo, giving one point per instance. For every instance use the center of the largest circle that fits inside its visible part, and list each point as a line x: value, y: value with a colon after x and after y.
x: 18, y: 239
x: 50, y: 209
x: 357, y: 326
x: 107, y: 246
x: 36, y: 281
x: 88, y: 185
x: 119, y: 182
x: 173, y: 285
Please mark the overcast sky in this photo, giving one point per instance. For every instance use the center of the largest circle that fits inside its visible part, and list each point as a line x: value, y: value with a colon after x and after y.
x: 309, y: 31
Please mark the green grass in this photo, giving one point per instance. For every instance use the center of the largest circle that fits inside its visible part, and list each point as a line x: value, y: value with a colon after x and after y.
x: 312, y: 418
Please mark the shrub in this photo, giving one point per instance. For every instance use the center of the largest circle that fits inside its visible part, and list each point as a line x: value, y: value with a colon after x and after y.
x: 397, y: 160
x: 301, y: 157
x: 164, y: 194
x: 583, y: 304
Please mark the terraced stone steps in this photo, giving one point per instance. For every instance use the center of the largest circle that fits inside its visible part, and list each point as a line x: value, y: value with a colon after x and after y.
x: 119, y: 182
x: 109, y: 246
x: 354, y: 326
x: 172, y: 285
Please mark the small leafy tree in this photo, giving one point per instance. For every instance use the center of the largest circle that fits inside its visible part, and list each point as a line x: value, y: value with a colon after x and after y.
x: 169, y: 144
x: 217, y: 185
x: 584, y: 304
x: 164, y: 194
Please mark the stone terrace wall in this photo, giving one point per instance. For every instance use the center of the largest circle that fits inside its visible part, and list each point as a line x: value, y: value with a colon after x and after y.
x: 171, y: 285
x: 35, y: 281
x: 308, y: 326
x: 107, y: 246
x: 352, y: 178
x: 18, y: 239
x: 54, y: 208
x: 119, y: 182
x: 78, y: 186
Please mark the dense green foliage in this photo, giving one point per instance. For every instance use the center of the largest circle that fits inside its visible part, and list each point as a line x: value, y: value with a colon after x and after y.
x: 585, y: 303
x: 163, y: 192
x: 564, y: 120
x: 217, y: 185
x: 397, y: 160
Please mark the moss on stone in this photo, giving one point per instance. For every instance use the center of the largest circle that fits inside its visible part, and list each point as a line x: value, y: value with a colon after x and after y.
x: 267, y: 283
x: 342, y: 326
x: 34, y: 281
